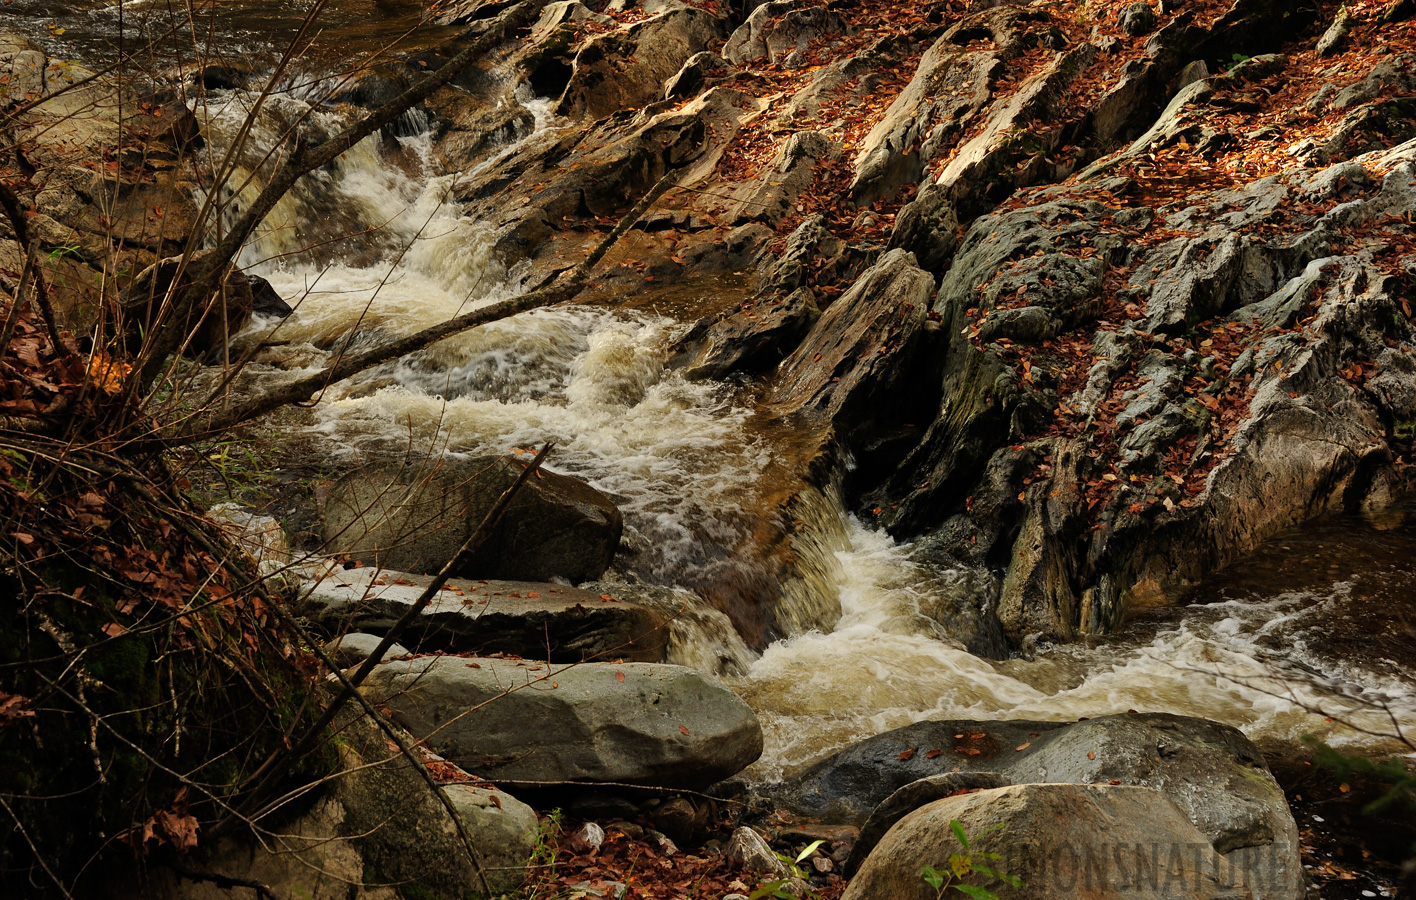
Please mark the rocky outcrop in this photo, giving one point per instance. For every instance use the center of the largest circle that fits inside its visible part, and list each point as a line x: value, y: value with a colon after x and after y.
x: 1210, y: 771
x: 627, y: 68
x: 856, y: 365
x: 1099, y: 841
x: 415, y: 517
x: 530, y: 723
x: 528, y: 619
x: 781, y: 32
x: 1052, y: 353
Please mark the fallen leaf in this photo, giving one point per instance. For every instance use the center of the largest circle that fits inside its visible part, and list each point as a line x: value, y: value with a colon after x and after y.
x: 1023, y: 746
x: 1091, y: 754
x: 907, y: 754
x: 933, y: 754
x: 683, y: 729
x: 619, y: 676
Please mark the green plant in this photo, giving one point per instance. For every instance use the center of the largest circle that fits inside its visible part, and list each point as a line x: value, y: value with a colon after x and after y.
x: 543, y: 855
x: 780, y: 888
x: 961, y: 865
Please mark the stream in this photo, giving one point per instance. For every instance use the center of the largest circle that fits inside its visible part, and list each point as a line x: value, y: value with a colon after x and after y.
x: 1313, y: 635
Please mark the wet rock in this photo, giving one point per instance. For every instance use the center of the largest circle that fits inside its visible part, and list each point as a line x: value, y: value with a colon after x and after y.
x: 857, y: 362
x: 264, y: 299
x: 415, y: 516
x: 627, y: 68
x: 514, y: 617
x: 755, y: 338
x: 198, y: 329
x: 1211, y: 771
x: 777, y: 29
x: 1137, y: 19
x: 1046, y: 834
x: 632, y: 723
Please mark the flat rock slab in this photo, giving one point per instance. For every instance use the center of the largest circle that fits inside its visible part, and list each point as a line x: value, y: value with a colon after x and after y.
x: 520, y: 618
x: 536, y: 724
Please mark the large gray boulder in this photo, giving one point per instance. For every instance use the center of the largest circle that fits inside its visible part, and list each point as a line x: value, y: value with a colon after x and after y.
x: 522, y: 618
x: 521, y: 722
x: 1211, y: 771
x: 415, y: 516
x: 1101, y: 842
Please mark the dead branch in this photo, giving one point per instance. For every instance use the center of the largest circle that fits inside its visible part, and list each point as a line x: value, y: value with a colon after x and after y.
x: 303, y: 389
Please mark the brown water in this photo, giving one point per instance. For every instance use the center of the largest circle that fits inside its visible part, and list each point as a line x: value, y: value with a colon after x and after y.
x: 1312, y: 635
x: 250, y: 33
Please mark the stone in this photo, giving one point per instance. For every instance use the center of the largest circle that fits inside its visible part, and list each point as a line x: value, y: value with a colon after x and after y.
x: 199, y: 329
x: 777, y: 29
x: 755, y: 338
x: 858, y: 359
x: 911, y: 797
x: 528, y: 619
x: 504, y: 831
x: 628, y: 67
x: 751, y: 850
x: 1118, y: 840
x: 520, y: 722
x: 1137, y: 19
x: 415, y: 516
x: 696, y: 75
x: 1210, y: 771
x: 1336, y: 33
x: 348, y: 650
x: 264, y: 300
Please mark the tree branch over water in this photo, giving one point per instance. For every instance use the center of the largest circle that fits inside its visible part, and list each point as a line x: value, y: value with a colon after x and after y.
x: 216, y: 420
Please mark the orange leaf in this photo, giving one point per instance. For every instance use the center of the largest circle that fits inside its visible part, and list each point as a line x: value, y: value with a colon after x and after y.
x: 683, y: 729
x: 619, y: 676
x: 907, y: 754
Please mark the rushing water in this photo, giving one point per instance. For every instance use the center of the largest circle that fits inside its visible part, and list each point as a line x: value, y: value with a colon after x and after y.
x: 1314, y: 633
x: 683, y: 459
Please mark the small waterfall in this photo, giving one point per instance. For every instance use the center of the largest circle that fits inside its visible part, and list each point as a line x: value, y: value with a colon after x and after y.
x: 371, y: 248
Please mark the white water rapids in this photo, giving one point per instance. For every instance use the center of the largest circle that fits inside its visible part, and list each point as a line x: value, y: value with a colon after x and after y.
x: 682, y: 459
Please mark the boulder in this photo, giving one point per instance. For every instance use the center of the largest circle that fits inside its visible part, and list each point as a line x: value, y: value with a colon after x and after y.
x: 349, y: 650
x: 778, y: 29
x: 1137, y: 19
x: 374, y: 831
x: 195, y: 330
x: 528, y: 619
x: 529, y: 723
x: 627, y: 68
x: 415, y: 516
x: 857, y: 364
x: 1211, y: 771
x: 1102, y: 842
x: 755, y: 337
x: 949, y: 88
